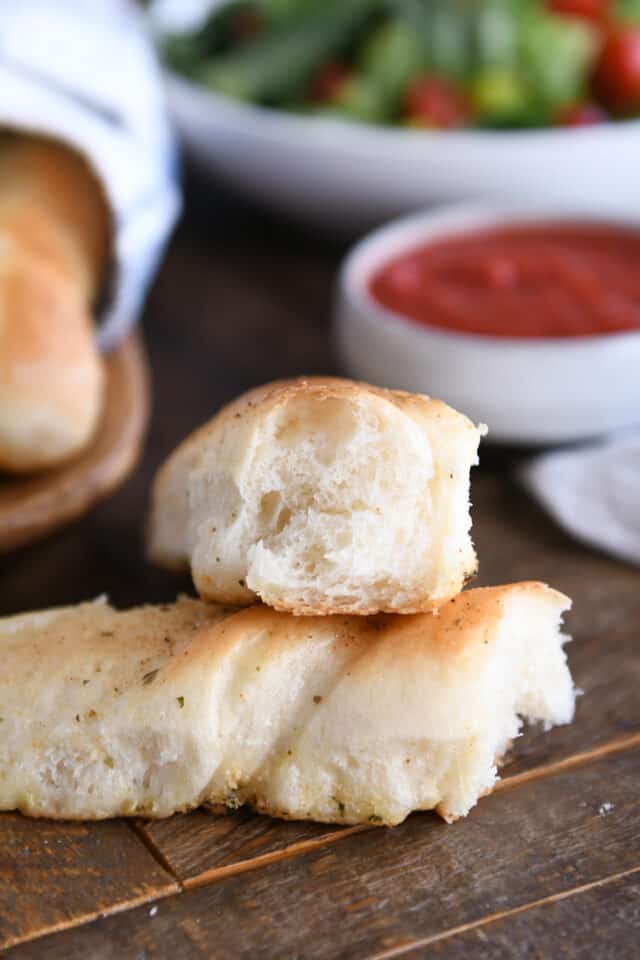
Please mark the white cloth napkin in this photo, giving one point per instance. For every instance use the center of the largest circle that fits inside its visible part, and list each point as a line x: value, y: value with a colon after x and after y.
x: 593, y: 491
x: 84, y: 72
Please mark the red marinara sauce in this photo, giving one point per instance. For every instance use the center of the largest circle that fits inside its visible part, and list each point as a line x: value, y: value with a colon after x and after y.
x: 542, y: 280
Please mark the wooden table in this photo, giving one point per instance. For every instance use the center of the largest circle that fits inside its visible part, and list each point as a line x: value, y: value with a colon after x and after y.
x: 546, y: 867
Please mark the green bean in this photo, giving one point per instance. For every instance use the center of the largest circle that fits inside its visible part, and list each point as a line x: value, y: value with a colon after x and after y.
x: 393, y: 54
x: 277, y: 65
x: 627, y: 12
x: 285, y: 11
x: 361, y: 98
x: 186, y: 52
x: 495, y: 34
x: 556, y: 53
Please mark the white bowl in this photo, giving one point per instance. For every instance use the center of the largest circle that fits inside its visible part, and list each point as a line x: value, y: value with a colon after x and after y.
x: 528, y: 390
x: 350, y: 176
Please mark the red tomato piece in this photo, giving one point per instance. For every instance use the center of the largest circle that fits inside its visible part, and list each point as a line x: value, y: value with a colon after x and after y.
x: 617, y: 74
x: 327, y: 84
x: 587, y: 9
x: 435, y: 101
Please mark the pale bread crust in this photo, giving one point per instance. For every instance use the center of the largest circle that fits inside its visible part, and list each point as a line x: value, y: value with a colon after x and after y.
x: 54, y: 243
x: 338, y: 719
x: 228, y: 441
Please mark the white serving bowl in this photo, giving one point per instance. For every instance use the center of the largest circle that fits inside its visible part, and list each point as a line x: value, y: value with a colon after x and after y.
x: 350, y: 176
x: 528, y: 390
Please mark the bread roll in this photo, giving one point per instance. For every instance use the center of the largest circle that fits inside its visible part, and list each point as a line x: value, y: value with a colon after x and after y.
x: 54, y: 237
x: 338, y: 719
x: 321, y: 496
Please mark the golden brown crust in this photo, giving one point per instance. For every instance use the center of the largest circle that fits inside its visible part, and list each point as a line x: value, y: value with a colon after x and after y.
x: 339, y: 719
x: 54, y: 242
x: 278, y: 392
x: 45, y: 185
x: 460, y: 625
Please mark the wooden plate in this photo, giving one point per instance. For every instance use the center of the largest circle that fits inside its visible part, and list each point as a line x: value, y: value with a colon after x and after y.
x: 34, y: 506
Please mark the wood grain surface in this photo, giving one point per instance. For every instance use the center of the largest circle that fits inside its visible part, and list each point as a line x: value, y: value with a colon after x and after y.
x: 384, y: 890
x: 53, y: 875
x: 600, y: 920
x: 543, y: 868
x: 203, y: 847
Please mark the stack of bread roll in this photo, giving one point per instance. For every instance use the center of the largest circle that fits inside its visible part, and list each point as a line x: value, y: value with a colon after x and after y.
x: 54, y: 241
x: 331, y: 670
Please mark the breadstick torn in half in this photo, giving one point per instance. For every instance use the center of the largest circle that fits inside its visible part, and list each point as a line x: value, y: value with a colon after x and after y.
x: 338, y: 719
x: 322, y: 496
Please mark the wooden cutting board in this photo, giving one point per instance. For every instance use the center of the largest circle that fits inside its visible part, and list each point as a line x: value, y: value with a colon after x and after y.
x: 31, y: 507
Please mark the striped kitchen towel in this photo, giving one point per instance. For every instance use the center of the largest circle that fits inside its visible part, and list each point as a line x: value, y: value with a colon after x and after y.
x: 83, y: 71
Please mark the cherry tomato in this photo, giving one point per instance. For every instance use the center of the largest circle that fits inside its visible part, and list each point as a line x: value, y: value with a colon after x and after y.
x: 329, y: 81
x: 434, y: 101
x: 587, y: 9
x: 581, y: 115
x: 617, y: 73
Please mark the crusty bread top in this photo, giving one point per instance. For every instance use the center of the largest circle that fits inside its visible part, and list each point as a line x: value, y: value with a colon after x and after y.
x: 54, y: 205
x: 71, y: 641
x: 342, y: 718
x: 387, y: 466
x: 269, y: 396
x: 55, y: 236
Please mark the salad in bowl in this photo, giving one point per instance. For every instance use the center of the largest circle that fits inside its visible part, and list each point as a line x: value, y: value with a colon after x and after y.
x: 422, y: 63
x: 346, y: 112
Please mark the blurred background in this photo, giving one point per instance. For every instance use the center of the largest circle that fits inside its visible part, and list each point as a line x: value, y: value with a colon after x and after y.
x: 437, y: 101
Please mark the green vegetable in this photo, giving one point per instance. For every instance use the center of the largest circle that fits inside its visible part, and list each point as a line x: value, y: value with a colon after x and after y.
x: 278, y: 65
x: 443, y: 26
x: 627, y: 12
x: 495, y: 34
x: 557, y: 53
x: 361, y: 99
x: 516, y: 62
x: 500, y: 97
x: 449, y: 39
x: 186, y: 52
x: 282, y: 11
x: 391, y: 57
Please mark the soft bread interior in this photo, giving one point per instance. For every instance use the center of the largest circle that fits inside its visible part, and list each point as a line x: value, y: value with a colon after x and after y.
x: 527, y: 678
x: 340, y: 493
x: 337, y: 719
x: 329, y: 501
x: 85, y: 731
